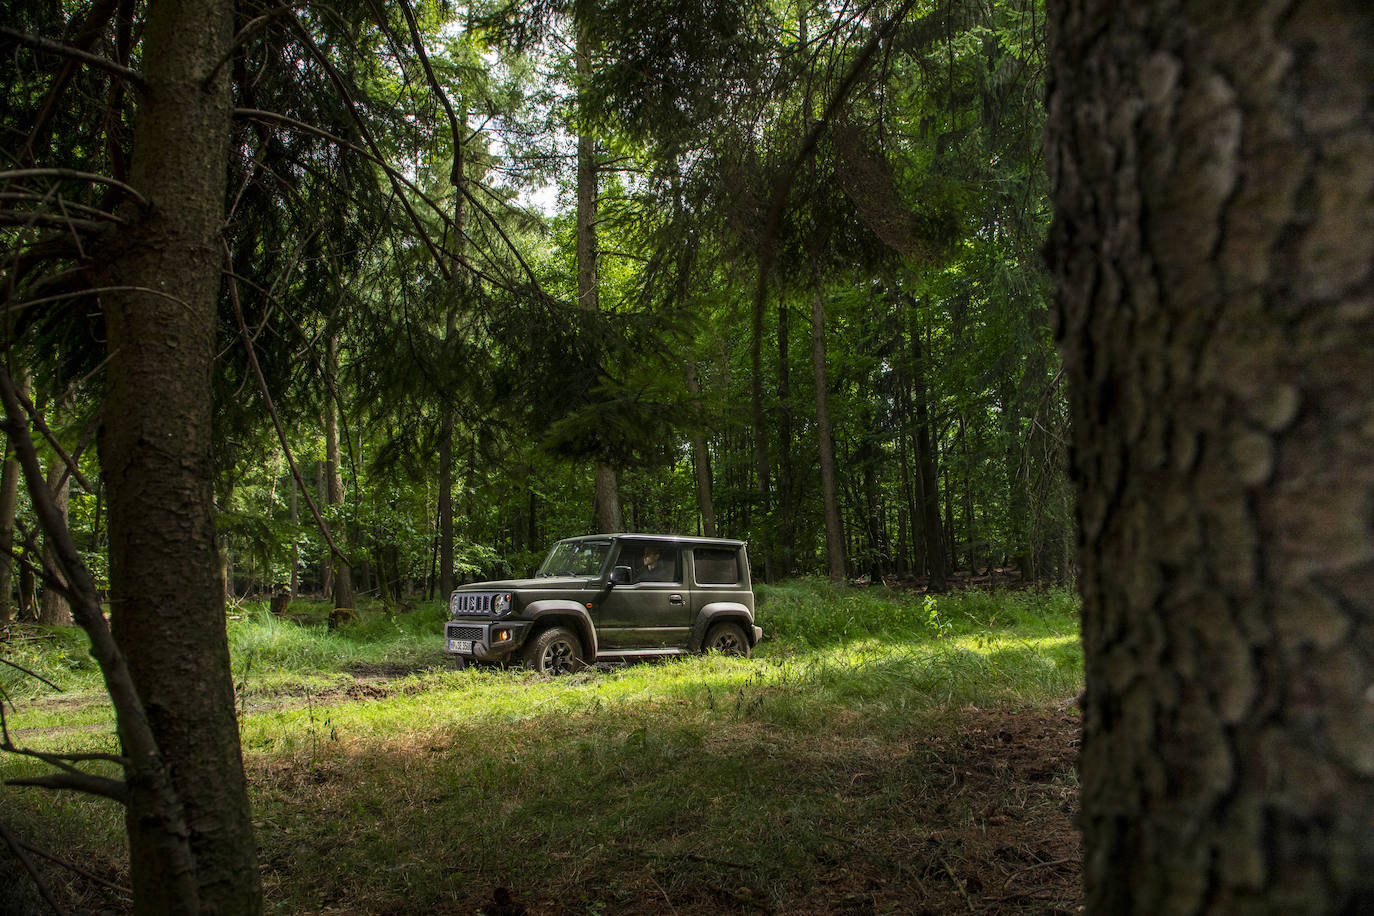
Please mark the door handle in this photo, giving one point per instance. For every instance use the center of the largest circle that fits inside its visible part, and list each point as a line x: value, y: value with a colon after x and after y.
x: 675, y: 600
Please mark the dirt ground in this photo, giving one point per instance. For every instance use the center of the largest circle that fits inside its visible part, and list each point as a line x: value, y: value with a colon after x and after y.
x: 999, y: 837
x: 995, y: 835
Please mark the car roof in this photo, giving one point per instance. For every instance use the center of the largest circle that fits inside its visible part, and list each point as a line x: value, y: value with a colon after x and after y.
x: 676, y: 538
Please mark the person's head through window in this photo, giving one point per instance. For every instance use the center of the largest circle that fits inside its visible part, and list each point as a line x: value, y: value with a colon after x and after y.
x: 655, y: 570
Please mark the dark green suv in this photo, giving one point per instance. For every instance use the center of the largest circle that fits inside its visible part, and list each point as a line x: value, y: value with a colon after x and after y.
x: 610, y: 596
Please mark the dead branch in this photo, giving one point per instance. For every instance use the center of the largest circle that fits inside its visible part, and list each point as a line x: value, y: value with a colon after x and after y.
x: 132, y: 725
x: 56, y: 47
x: 73, y: 175
x: 34, y: 675
x: 92, y: 291
x: 17, y: 847
x: 114, y: 789
x: 271, y: 408
x: 77, y: 869
x: 36, y: 418
x: 31, y: 198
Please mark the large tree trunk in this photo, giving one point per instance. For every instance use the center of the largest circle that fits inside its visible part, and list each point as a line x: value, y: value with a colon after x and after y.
x: 834, y: 534
x: 166, y: 600
x: 1214, y: 244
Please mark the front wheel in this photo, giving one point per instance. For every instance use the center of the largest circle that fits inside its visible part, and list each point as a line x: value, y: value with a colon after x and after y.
x: 554, y: 651
x: 727, y: 639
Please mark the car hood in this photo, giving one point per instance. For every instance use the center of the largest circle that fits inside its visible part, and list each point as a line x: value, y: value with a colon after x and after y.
x: 514, y: 585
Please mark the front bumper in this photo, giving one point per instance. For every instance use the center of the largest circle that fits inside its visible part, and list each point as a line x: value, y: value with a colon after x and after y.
x: 484, y: 640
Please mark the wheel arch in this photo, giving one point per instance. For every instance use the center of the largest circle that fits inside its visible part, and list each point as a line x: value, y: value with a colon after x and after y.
x: 719, y: 612
x: 558, y: 612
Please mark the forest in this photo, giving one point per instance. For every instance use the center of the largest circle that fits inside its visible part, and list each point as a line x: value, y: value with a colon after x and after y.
x: 354, y: 302
x: 459, y: 353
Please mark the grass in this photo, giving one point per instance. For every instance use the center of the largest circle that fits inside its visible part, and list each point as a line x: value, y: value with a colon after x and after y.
x: 383, y: 781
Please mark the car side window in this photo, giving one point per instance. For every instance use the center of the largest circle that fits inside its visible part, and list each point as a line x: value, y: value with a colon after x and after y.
x: 653, y: 561
x: 716, y: 566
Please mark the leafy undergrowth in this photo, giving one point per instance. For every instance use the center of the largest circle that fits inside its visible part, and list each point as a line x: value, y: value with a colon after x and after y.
x: 879, y: 754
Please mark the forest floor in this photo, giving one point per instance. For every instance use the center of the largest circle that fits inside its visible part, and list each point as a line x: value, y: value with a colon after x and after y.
x: 906, y: 775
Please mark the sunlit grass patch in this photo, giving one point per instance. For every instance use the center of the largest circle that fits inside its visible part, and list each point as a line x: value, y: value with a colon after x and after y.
x: 383, y: 781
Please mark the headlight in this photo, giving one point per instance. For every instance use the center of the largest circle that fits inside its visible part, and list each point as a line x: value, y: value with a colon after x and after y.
x: 500, y: 604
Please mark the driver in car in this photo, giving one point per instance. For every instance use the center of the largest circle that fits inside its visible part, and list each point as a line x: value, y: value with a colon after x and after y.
x: 655, y: 570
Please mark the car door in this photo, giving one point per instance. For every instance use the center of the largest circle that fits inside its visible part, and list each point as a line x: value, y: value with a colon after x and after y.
x: 654, y: 610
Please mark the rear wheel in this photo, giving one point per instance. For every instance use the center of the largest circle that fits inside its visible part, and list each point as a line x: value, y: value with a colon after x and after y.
x: 727, y: 639
x: 554, y: 651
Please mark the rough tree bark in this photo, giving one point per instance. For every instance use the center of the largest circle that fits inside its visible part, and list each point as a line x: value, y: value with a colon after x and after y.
x: 1214, y: 245
x: 9, y: 502
x: 834, y: 533
x: 927, y: 484
x: 701, y: 458
x: 334, y: 493
x: 166, y: 600
x: 53, y: 610
x: 608, y: 511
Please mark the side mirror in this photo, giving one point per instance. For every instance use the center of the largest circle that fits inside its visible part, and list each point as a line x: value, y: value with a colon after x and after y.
x: 622, y: 575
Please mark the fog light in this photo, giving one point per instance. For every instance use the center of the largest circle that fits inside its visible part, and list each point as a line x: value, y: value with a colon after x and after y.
x: 500, y: 635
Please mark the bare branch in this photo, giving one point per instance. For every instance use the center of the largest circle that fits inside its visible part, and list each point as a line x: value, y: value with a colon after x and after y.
x: 17, y: 847
x: 91, y: 291
x: 48, y: 221
x: 113, y: 789
x: 73, y: 175
x: 36, y: 418
x: 66, y: 204
x: 72, y: 867
x: 133, y: 726
x: 271, y: 409
x: 56, y: 47
x: 34, y: 675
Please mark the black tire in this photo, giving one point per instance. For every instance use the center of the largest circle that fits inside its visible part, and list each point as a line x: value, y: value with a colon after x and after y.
x: 554, y: 651
x: 728, y: 639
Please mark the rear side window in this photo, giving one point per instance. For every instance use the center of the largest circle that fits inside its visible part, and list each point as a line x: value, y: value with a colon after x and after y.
x: 716, y: 566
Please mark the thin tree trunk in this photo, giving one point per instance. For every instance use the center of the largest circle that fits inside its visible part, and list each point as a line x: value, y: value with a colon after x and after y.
x: 701, y: 458
x: 762, y: 484
x: 834, y: 534
x: 343, y: 573
x: 9, y: 501
x: 926, y: 472
x: 53, y: 610
x: 327, y: 564
x: 445, y: 507
x: 166, y: 600
x: 783, y: 547
x: 295, y: 541
x: 1214, y: 247
x: 607, y: 504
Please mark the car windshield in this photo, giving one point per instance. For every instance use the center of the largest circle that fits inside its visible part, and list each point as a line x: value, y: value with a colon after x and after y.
x: 576, y: 558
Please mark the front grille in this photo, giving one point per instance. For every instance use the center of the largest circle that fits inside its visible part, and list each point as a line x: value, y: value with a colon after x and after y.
x: 456, y: 631
x: 472, y: 603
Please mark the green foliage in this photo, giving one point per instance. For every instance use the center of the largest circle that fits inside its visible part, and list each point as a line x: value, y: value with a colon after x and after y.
x: 814, y: 612
x: 59, y: 655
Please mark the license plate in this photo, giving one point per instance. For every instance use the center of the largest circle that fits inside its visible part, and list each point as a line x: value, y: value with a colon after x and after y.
x: 462, y: 646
